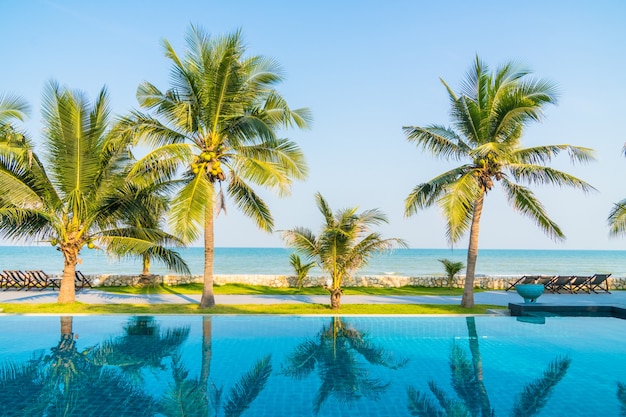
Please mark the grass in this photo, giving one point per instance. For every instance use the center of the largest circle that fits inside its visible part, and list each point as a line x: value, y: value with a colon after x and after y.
x: 292, y: 309
x: 231, y: 289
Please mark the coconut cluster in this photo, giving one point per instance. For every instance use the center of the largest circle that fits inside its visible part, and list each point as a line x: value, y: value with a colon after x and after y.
x: 207, y: 162
x: 488, y: 168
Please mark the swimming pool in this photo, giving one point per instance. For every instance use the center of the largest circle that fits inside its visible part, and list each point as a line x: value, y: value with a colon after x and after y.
x: 307, y: 366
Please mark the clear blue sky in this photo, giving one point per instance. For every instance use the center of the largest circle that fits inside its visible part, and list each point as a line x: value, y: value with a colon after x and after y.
x: 365, y: 69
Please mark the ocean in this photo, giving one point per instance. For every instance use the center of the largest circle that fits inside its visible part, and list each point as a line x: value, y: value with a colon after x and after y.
x: 275, y: 261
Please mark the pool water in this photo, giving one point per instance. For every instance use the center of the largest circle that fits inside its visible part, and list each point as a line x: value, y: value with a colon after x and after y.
x: 311, y: 366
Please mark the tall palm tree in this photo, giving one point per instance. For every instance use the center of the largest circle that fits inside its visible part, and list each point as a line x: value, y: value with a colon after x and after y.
x: 63, y: 201
x: 489, y: 117
x: 344, y: 244
x: 218, y: 124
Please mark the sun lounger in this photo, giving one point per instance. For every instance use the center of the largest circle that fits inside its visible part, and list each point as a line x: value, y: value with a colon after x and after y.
x: 559, y: 283
x: 545, y: 280
x: 598, y: 282
x: 15, y: 279
x: 38, y: 279
x: 3, y: 280
x: 578, y: 284
x: 526, y: 279
x: 81, y: 281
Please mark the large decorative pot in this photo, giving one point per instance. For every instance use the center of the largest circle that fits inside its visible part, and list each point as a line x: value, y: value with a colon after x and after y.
x: 530, y: 292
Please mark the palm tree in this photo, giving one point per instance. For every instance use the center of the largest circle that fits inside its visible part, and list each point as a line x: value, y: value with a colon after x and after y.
x: 343, y: 245
x: 452, y: 268
x: 218, y: 123
x: 334, y: 352
x: 63, y: 201
x: 489, y: 117
x: 300, y: 269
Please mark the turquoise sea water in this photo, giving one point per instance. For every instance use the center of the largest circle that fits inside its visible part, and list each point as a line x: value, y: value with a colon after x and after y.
x: 309, y: 366
x: 275, y: 261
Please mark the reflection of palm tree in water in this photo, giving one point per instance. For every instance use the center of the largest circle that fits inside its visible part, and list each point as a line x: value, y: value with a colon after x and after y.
x: 333, y: 353
x: 142, y: 346
x: 467, y: 382
x: 66, y: 382
x: 201, y: 397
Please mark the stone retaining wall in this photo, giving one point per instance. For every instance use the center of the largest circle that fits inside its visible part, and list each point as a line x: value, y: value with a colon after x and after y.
x: 384, y: 281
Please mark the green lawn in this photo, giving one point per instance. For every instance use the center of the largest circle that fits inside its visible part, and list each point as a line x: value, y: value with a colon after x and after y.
x: 293, y: 309
x: 258, y: 289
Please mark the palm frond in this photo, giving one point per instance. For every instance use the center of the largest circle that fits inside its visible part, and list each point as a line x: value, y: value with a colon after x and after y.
x: 457, y: 205
x: 188, y: 207
x: 19, y: 223
x: 429, y: 193
x: 438, y: 140
x: 161, y: 164
x: 12, y: 108
x: 617, y: 219
x: 250, y: 203
x: 146, y: 129
x: 541, y: 175
x: 524, y: 201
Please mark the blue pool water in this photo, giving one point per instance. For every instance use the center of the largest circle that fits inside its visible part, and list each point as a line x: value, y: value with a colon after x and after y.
x: 307, y: 366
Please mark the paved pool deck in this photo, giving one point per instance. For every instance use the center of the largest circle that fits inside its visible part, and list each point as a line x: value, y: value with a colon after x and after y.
x: 499, y: 298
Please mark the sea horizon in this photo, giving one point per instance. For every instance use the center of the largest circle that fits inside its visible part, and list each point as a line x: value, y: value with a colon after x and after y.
x: 275, y: 261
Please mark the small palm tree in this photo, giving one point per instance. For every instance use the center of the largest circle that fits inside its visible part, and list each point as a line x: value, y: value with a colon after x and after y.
x: 452, y: 268
x: 489, y: 118
x: 217, y: 125
x: 344, y: 243
x: 301, y: 270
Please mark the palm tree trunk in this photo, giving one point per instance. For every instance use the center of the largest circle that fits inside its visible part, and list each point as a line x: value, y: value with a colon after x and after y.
x: 208, y: 298
x: 472, y: 254
x: 67, y: 290
x: 335, y: 298
x: 146, y: 265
